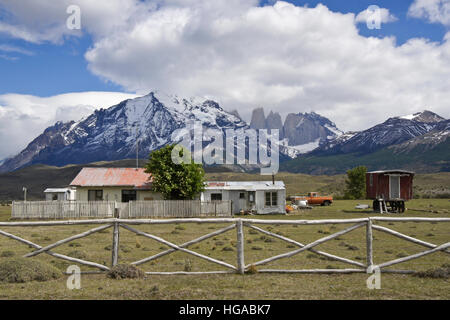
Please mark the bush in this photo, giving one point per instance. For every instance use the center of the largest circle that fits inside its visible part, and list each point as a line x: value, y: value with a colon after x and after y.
x: 439, y: 273
x: 74, y: 244
x: 125, y: 271
x: 20, y: 270
x: 7, y: 254
x: 252, y: 270
x: 77, y: 254
x: 187, y: 265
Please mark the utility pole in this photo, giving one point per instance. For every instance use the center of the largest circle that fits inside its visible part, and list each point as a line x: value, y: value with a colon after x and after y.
x: 137, y: 154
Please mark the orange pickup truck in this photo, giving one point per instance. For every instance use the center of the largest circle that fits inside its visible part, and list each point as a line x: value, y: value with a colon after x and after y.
x: 314, y: 198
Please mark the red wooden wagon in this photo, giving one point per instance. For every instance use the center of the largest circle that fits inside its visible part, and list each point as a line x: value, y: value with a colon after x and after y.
x: 389, y: 189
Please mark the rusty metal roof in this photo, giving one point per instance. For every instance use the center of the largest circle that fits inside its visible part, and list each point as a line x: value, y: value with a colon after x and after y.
x: 113, y: 177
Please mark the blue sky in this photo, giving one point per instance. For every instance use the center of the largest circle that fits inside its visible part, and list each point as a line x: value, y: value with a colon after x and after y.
x: 60, y: 68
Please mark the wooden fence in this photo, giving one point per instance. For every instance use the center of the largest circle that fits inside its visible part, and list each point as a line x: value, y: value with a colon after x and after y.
x: 176, y: 209
x: 62, y: 209
x: 238, y: 224
x: 133, y: 209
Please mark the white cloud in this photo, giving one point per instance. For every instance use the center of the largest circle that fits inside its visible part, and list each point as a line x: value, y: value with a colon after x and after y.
x: 384, y: 14
x: 45, y: 20
x: 24, y: 117
x: 283, y: 57
x: 435, y: 11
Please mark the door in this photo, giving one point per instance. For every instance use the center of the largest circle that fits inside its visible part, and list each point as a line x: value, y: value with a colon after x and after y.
x: 394, y: 187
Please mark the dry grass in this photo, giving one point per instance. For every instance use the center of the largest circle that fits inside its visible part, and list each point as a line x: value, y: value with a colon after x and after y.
x: 254, y: 285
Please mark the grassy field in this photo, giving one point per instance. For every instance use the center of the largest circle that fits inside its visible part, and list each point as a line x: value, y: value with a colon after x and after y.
x: 257, y: 246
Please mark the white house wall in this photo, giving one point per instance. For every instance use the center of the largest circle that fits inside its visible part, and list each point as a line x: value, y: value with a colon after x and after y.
x: 115, y: 194
x: 260, y: 200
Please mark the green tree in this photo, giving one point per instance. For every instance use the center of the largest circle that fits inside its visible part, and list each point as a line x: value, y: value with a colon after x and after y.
x: 356, y: 183
x: 175, y: 181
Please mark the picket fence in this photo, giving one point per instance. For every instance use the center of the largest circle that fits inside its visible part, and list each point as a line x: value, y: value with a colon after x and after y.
x: 133, y: 209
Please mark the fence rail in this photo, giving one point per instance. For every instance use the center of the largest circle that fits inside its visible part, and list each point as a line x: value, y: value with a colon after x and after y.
x: 239, y: 225
x: 131, y: 210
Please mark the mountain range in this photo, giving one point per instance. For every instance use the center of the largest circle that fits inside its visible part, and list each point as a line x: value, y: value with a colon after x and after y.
x: 309, y: 142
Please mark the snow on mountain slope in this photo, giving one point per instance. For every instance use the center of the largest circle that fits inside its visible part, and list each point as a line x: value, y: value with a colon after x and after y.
x: 391, y: 132
x: 112, y: 134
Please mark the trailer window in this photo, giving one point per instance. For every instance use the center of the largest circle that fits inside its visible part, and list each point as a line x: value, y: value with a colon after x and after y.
x: 242, y: 195
x: 271, y: 199
x: 371, y: 180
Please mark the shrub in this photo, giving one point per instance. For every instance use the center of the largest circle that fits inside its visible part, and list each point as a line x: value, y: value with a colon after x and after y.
x: 7, y: 254
x: 256, y: 248
x: 252, y: 270
x: 227, y: 249
x: 77, y: 254
x: 125, y: 248
x: 20, y: 270
x: 187, y: 265
x: 125, y: 271
x: 439, y: 273
x: 74, y: 244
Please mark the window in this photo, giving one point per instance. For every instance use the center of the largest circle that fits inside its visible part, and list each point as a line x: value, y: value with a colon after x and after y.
x: 216, y: 196
x: 95, y: 195
x: 55, y: 197
x: 242, y: 195
x: 371, y: 179
x: 271, y: 199
x: 129, y: 195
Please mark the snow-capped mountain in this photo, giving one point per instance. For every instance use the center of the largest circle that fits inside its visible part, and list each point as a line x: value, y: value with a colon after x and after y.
x: 428, y: 141
x: 301, y: 132
x: 112, y: 134
x: 393, y: 131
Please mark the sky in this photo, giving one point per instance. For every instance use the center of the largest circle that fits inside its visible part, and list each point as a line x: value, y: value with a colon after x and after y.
x: 285, y: 56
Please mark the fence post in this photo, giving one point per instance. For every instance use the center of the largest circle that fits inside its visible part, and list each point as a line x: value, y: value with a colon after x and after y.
x: 115, y: 245
x: 240, y: 246
x: 369, y: 245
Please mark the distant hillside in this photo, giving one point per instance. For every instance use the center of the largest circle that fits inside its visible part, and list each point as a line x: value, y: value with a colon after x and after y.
x: 39, y: 177
x: 419, y: 158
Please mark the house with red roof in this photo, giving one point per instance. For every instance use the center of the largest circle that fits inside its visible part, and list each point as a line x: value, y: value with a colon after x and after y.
x: 114, y: 184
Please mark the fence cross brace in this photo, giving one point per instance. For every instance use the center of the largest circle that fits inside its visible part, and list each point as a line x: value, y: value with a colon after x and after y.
x: 184, y: 245
x: 61, y: 242
x: 176, y: 247
x: 308, y: 246
x: 301, y: 245
x: 53, y: 254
